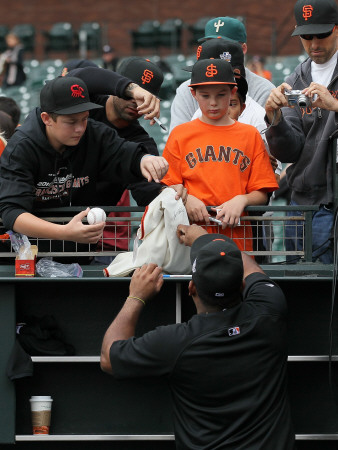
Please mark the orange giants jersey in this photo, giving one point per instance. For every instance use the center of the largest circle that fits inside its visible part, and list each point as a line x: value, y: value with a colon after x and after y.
x: 216, y: 163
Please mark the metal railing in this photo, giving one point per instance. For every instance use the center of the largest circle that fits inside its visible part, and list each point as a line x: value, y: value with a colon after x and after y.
x: 120, y: 231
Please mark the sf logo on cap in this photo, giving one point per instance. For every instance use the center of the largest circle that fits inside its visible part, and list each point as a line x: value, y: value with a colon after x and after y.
x: 147, y: 76
x: 307, y: 11
x: 198, y: 51
x: 77, y: 91
x: 211, y: 70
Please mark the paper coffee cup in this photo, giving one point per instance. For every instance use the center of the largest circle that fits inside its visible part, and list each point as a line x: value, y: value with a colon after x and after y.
x: 41, y: 406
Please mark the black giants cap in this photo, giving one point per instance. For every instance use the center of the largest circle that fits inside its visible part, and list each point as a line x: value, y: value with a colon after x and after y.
x: 217, y: 268
x: 143, y: 72
x: 228, y: 51
x: 212, y: 71
x: 66, y: 95
x: 315, y: 16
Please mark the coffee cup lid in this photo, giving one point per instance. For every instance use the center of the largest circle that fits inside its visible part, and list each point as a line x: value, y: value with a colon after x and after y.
x: 41, y: 398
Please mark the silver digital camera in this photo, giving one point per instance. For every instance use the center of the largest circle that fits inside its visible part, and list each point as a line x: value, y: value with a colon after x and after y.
x: 297, y: 98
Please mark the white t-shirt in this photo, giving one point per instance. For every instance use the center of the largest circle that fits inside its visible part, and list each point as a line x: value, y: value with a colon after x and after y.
x: 322, y: 73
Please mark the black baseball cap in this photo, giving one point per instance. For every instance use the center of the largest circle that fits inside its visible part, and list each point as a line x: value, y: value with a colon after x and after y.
x: 230, y: 51
x: 219, y: 48
x: 212, y: 71
x: 217, y: 268
x: 315, y: 16
x: 66, y: 95
x: 143, y: 72
x: 72, y: 64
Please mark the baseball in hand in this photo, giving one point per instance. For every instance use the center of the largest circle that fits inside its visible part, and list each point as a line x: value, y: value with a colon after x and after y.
x: 96, y: 215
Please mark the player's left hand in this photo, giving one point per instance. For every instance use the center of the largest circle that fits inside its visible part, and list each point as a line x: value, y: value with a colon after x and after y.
x: 154, y: 167
x: 146, y: 281
x: 323, y: 98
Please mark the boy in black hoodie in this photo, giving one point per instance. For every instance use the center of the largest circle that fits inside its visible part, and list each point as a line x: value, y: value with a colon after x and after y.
x: 57, y: 156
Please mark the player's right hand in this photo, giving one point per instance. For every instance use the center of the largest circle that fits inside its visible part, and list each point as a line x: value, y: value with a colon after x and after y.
x: 77, y: 231
x: 187, y: 234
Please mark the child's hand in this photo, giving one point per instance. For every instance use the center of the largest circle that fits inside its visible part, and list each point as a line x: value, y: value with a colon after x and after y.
x: 76, y: 231
x: 230, y: 212
x: 196, y: 210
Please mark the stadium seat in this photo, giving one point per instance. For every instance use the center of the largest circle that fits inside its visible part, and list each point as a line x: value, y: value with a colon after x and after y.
x: 177, y: 63
x: 92, y: 36
x: 197, y: 30
x: 3, y: 32
x: 59, y: 38
x: 170, y: 33
x: 26, y: 34
x: 146, y: 35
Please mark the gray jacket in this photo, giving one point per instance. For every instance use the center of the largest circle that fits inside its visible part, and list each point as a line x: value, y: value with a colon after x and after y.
x: 302, y: 137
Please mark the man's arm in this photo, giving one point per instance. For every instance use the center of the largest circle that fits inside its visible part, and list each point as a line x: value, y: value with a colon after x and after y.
x: 145, y: 283
x: 106, y: 82
x: 286, y: 136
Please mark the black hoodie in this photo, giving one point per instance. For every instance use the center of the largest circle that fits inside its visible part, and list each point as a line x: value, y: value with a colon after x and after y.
x: 33, y: 175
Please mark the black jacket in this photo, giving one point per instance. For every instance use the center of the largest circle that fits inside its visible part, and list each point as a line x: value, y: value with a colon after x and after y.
x: 33, y: 175
x: 100, y: 81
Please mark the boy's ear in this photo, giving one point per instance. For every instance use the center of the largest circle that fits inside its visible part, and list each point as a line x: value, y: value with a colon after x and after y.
x: 234, y: 90
x: 46, y: 118
x: 193, y: 92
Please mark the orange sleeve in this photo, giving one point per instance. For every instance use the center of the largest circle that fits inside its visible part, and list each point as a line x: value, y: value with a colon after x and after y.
x: 2, y: 146
x: 172, y: 154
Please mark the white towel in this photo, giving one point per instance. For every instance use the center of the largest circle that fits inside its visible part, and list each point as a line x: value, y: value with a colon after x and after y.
x: 159, y: 242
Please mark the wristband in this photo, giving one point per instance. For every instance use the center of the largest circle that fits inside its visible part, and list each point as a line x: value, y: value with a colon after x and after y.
x: 137, y: 298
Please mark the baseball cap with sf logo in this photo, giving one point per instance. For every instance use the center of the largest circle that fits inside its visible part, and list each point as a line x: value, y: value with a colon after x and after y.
x: 315, y: 16
x: 212, y: 71
x: 142, y: 71
x: 66, y: 95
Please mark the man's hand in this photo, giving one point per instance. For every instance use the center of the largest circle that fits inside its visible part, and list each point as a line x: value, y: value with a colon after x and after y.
x: 146, y: 282
x: 275, y: 102
x: 147, y: 103
x: 323, y: 97
x: 76, y: 231
x: 196, y: 210
x: 154, y: 167
x: 187, y: 234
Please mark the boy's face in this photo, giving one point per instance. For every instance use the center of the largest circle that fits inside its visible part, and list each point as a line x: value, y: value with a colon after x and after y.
x: 213, y: 100
x: 235, y: 107
x: 67, y: 130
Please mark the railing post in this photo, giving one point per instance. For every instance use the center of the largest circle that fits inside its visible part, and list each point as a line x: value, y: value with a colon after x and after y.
x: 308, y: 236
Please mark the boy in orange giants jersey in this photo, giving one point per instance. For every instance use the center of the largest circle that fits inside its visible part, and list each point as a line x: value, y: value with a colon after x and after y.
x: 221, y: 162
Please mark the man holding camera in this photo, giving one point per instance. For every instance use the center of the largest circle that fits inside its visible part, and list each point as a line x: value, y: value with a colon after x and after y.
x: 302, y: 114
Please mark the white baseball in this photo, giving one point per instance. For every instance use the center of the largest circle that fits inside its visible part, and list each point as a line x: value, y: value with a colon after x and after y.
x: 96, y: 215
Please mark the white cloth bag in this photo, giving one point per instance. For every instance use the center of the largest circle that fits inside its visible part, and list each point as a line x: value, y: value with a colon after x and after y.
x: 159, y: 242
